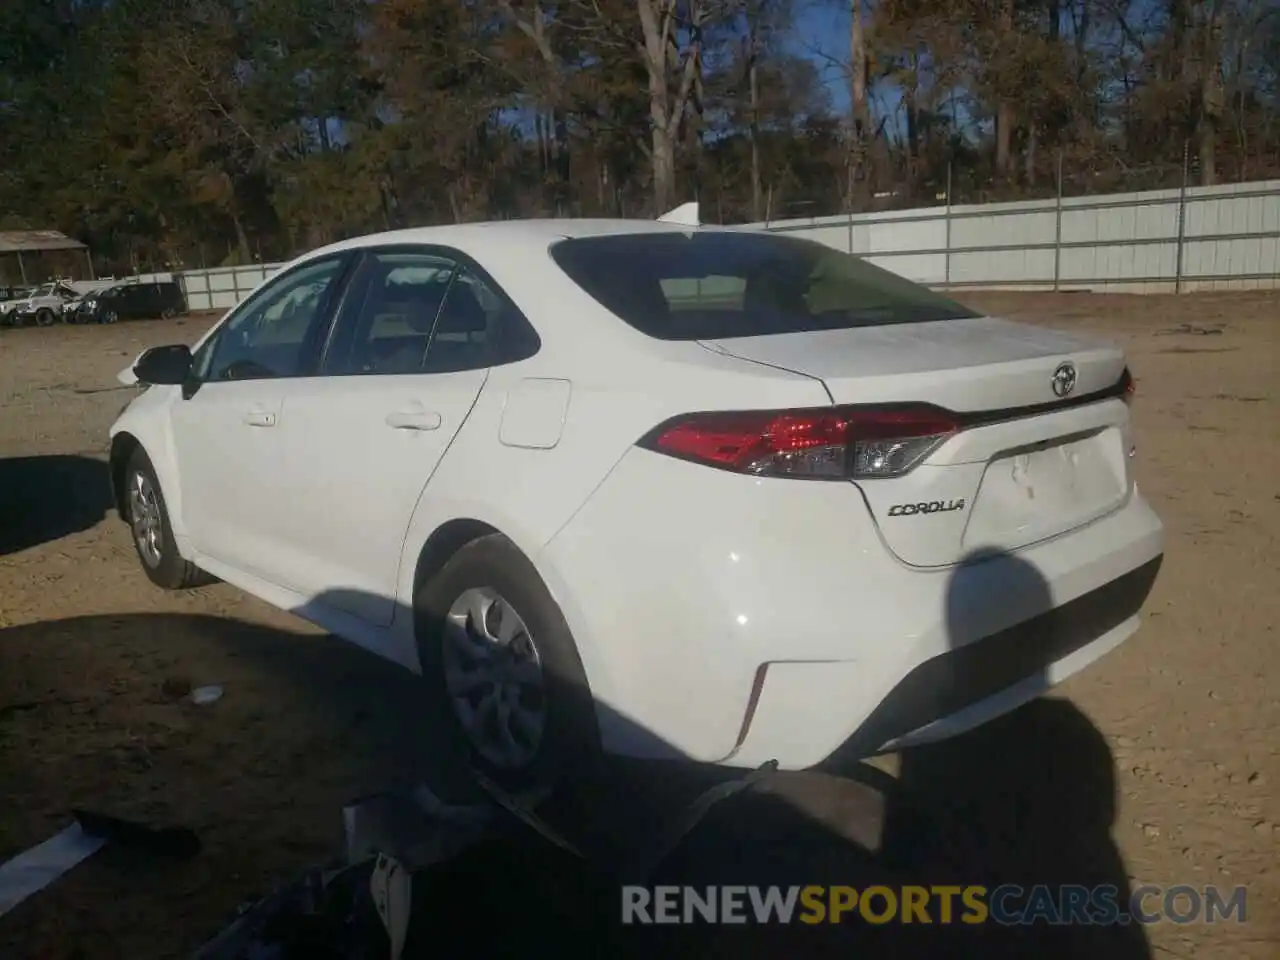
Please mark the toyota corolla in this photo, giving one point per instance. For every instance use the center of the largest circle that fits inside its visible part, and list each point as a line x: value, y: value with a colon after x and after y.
x: 651, y: 488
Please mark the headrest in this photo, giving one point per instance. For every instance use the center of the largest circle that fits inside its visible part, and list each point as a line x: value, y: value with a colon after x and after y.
x: 768, y: 290
x: 462, y: 311
x: 419, y: 301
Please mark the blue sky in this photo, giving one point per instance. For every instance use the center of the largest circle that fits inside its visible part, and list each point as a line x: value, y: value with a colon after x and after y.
x: 821, y: 34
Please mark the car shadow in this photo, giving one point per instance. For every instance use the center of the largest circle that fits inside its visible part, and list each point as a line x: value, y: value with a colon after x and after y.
x: 44, y: 498
x: 307, y: 723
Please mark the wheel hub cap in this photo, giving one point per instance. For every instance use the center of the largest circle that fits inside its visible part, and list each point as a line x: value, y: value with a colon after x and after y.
x: 144, y: 517
x: 493, y: 675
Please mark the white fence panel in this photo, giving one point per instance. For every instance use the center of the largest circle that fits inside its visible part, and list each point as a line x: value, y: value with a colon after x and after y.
x: 220, y: 288
x: 1225, y: 237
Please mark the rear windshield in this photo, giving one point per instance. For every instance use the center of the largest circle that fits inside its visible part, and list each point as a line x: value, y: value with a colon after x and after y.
x: 719, y: 284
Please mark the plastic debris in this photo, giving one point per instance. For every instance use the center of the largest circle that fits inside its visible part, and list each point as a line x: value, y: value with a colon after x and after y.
x: 203, y: 696
x: 33, y: 870
x: 416, y: 869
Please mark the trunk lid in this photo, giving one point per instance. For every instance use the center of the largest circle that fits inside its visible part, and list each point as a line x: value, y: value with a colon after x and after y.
x: 1028, y: 465
x: 962, y: 365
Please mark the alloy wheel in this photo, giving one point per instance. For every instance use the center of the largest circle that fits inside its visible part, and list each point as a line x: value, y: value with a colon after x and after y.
x: 493, y: 676
x: 145, y: 519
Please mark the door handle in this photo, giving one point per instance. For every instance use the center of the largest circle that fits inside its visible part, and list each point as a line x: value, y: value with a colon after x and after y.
x: 413, y: 420
x: 260, y: 418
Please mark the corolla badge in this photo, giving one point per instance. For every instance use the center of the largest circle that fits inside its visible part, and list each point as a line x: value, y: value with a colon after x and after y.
x: 1064, y: 380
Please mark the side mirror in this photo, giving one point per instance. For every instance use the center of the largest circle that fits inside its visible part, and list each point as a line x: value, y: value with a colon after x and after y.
x: 170, y: 365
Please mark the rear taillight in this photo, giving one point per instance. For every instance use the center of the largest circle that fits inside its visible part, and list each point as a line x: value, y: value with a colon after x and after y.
x: 1128, y: 385
x: 836, y: 443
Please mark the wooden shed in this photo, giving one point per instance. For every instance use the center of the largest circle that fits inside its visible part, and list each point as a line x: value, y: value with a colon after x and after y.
x: 34, y: 256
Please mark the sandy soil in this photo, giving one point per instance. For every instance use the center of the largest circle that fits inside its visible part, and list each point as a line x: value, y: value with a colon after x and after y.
x: 1159, y: 765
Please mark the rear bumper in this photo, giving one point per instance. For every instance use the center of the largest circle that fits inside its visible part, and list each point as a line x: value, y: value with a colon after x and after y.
x: 964, y: 687
x: 736, y: 620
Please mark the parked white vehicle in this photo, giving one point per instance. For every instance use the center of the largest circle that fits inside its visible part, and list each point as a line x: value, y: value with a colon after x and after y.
x: 44, y: 305
x: 662, y: 489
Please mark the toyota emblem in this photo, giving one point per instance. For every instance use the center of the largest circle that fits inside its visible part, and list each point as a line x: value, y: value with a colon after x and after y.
x: 1064, y: 379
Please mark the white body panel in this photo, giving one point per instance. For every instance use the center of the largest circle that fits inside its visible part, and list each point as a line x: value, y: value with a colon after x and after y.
x: 679, y: 633
x: 360, y: 450
x: 719, y: 616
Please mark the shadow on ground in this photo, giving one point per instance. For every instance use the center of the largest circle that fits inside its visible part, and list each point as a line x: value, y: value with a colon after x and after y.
x: 45, y: 498
x: 308, y: 723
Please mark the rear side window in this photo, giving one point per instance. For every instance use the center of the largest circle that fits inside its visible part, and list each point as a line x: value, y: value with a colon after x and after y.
x: 425, y: 311
x: 714, y: 285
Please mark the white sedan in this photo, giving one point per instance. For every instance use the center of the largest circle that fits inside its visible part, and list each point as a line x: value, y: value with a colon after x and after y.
x: 650, y: 488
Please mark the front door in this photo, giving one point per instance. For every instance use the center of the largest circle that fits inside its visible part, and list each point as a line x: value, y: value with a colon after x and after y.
x: 226, y: 429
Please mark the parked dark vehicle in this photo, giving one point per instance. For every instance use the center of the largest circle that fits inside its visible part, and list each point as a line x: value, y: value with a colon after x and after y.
x: 131, y: 301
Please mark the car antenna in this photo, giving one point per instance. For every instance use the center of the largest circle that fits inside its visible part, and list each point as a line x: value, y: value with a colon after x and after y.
x: 686, y: 215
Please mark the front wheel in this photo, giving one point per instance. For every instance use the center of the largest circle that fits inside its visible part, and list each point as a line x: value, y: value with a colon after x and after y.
x: 110, y: 317
x: 153, y: 541
x: 497, y: 648
x: 45, y: 318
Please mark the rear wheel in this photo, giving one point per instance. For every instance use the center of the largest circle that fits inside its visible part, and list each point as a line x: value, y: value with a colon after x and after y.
x: 110, y: 317
x: 496, y: 646
x: 45, y: 317
x: 168, y: 313
x: 152, y: 533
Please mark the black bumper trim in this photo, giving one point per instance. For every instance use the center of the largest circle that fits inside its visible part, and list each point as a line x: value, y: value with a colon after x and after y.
x: 960, y: 678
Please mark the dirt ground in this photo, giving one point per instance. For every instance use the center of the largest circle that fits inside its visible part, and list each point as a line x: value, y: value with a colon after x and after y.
x: 1158, y: 765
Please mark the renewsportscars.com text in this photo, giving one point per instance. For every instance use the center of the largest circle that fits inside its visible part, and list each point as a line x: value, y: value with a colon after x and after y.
x: 1105, y: 905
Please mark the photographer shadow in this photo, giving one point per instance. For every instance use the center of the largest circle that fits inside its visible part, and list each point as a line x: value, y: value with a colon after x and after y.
x: 1027, y: 799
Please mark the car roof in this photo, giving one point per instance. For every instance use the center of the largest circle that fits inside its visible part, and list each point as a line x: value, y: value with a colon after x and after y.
x: 477, y: 238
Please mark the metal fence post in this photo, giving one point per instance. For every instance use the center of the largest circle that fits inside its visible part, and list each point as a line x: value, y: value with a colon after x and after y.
x: 946, y: 246
x: 1057, y: 231
x: 1182, y: 214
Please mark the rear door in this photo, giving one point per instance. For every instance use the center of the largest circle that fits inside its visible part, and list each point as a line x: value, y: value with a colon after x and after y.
x: 407, y: 359
x: 171, y: 298
x: 132, y: 302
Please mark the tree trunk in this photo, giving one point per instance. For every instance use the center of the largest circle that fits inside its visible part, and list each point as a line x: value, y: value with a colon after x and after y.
x: 562, y: 161
x: 911, y: 101
x: 664, y: 168
x: 1004, y: 107
x: 1211, y: 96
x: 859, y: 110
x: 242, y: 239
x: 658, y: 50
x: 1029, y: 164
x: 753, y: 80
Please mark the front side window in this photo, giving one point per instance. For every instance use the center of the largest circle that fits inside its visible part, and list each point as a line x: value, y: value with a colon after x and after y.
x: 716, y: 284
x: 275, y: 333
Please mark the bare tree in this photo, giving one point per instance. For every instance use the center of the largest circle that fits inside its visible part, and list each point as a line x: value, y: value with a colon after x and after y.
x: 671, y: 71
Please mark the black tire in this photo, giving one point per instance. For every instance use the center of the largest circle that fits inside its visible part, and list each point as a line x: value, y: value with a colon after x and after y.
x: 171, y: 571
x: 570, y: 741
x: 168, y: 313
x: 45, y: 318
x: 110, y: 317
